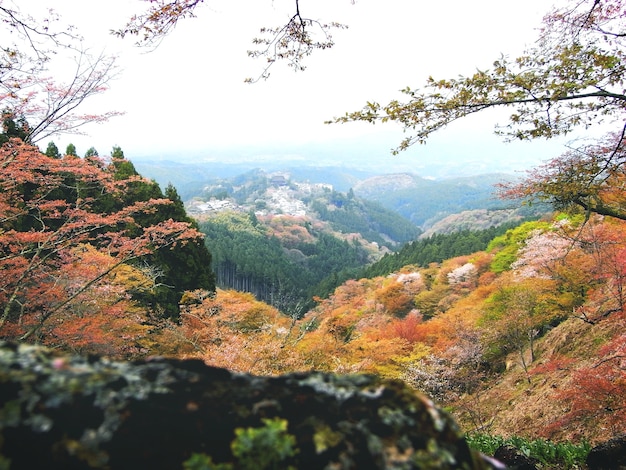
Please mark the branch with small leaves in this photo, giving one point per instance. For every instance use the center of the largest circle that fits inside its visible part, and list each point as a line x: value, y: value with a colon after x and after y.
x: 562, y: 83
x: 291, y: 42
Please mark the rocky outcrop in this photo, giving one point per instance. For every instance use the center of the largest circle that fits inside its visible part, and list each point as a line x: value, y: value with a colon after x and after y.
x: 72, y: 412
x: 515, y: 459
x: 609, y: 455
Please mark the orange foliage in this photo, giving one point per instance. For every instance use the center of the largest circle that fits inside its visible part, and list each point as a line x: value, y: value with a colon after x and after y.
x: 51, y: 206
x: 394, y: 299
x: 103, y: 319
x: 235, y: 331
x: 290, y: 230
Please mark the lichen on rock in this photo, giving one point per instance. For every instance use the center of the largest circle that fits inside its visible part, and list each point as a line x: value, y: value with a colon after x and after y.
x: 61, y: 411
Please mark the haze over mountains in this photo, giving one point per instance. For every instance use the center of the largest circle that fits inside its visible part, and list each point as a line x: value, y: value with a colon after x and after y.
x: 321, y: 163
x: 419, y: 199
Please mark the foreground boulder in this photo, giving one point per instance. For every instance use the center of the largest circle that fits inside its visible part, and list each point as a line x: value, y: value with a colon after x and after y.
x: 514, y: 458
x: 609, y: 455
x: 71, y: 412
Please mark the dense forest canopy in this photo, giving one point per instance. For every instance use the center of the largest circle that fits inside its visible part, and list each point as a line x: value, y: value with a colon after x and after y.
x: 79, y: 235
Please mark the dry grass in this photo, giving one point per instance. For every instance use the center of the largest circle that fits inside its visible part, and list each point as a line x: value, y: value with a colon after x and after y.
x: 515, y: 404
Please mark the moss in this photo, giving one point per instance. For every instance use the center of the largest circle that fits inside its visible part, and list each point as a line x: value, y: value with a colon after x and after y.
x: 89, y: 412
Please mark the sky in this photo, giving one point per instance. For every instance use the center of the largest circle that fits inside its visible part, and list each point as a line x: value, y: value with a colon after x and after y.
x: 188, y: 98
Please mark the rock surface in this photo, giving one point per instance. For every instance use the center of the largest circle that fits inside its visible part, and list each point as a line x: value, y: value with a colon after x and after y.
x: 610, y: 455
x: 73, y: 412
x: 513, y: 458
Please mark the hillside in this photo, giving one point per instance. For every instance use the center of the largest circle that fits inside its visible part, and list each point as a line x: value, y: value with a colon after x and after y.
x: 422, y: 201
x: 426, y: 201
x: 287, y: 241
x: 524, y: 338
x: 273, y: 194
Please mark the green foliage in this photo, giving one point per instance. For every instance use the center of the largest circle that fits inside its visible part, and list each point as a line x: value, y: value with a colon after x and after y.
x: 435, y: 249
x: 177, y: 268
x: 71, y: 150
x: 204, y: 462
x: 12, y: 127
x: 246, y: 258
x: 52, y: 150
x: 185, y: 267
x: 264, y: 448
x: 507, y: 245
x: 345, y: 212
x: 91, y: 152
x: 354, y: 215
x: 553, y: 454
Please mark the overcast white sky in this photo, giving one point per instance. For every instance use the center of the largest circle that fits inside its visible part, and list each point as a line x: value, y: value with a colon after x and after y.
x: 189, y: 96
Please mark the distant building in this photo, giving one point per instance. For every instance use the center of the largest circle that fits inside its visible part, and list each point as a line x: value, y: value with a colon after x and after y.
x: 278, y: 180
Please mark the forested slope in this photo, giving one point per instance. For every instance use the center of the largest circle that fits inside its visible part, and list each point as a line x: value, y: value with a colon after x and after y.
x: 91, y: 253
x: 280, y: 261
x: 522, y: 338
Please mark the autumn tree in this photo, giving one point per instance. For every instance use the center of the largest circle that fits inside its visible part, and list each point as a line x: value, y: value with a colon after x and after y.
x: 517, y: 313
x: 48, y: 207
x: 589, y: 177
x: 597, y: 392
x: 573, y: 76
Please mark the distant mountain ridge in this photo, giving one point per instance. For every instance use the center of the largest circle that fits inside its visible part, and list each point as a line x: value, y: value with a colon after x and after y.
x: 422, y: 200
x: 425, y: 201
x: 272, y: 194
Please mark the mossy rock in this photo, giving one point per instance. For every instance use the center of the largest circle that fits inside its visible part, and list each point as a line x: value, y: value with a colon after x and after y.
x: 74, y: 412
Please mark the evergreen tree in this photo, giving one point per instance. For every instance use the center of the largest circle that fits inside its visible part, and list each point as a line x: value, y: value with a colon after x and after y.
x: 117, y: 152
x: 12, y: 128
x: 91, y: 152
x: 52, y: 150
x: 71, y: 150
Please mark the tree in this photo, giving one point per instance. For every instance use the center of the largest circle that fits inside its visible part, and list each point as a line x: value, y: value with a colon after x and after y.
x: 518, y: 311
x: 52, y: 150
x: 590, y: 177
x: 572, y: 77
x: 48, y: 207
x: 11, y: 128
x: 91, y: 152
x: 71, y: 150
x: 26, y: 92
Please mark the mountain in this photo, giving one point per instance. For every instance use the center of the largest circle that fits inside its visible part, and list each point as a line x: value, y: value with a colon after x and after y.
x: 424, y: 201
x: 279, y: 193
x: 287, y: 241
x: 190, y: 177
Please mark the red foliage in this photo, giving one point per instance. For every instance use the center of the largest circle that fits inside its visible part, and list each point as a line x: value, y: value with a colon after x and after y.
x: 407, y: 328
x: 555, y: 363
x: 598, y: 393
x: 49, y: 208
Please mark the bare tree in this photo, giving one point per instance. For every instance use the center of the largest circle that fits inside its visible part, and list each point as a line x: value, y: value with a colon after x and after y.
x: 26, y: 89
